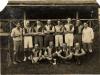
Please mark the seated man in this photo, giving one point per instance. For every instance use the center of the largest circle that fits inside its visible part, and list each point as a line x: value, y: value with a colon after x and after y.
x: 65, y: 54
x: 47, y: 52
x: 35, y: 54
x: 44, y: 56
x: 78, y: 53
x: 50, y: 49
x: 62, y: 54
x: 55, y: 55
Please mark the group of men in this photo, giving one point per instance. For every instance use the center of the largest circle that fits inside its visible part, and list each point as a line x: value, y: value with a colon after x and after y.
x: 53, y: 43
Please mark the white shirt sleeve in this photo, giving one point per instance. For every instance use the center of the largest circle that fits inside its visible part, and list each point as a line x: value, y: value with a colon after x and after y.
x: 23, y: 31
x: 12, y: 33
x: 53, y: 29
x: 72, y: 29
x: 92, y: 33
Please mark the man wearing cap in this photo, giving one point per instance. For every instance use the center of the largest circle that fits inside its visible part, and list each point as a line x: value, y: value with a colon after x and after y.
x: 49, y: 29
x: 28, y: 42
x: 58, y: 34
x: 87, y: 38
x: 69, y: 37
x: 16, y: 34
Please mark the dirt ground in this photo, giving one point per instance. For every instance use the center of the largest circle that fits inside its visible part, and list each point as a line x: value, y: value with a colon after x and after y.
x: 90, y: 65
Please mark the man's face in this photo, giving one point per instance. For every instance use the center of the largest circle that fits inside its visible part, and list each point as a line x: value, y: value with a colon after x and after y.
x: 85, y: 25
x: 69, y: 20
x: 27, y: 25
x: 49, y: 22
x: 58, y: 22
x: 64, y: 45
x: 51, y: 44
x: 36, y: 47
x: 18, y: 25
x: 38, y: 22
x: 77, y: 22
x: 77, y: 45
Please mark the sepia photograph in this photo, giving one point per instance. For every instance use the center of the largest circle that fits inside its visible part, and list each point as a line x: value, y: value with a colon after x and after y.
x: 49, y: 37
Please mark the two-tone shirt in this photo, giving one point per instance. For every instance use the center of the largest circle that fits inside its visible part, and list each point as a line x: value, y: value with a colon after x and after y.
x: 69, y: 28
x: 58, y: 29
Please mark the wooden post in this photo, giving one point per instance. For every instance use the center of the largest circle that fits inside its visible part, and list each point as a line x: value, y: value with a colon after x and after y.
x: 24, y: 18
x: 99, y: 18
x: 77, y: 15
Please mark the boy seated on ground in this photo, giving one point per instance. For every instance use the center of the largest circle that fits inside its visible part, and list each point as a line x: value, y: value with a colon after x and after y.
x: 78, y: 53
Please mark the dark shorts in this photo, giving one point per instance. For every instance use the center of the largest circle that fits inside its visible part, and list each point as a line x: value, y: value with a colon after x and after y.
x: 77, y: 38
x: 38, y: 40
x: 47, y: 39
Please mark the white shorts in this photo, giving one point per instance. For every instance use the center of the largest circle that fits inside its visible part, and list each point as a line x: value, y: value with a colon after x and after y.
x: 69, y: 39
x: 58, y: 40
x: 28, y: 43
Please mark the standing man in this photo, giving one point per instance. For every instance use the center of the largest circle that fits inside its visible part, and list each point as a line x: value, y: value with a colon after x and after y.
x: 38, y: 38
x: 69, y: 37
x: 16, y: 34
x: 28, y: 43
x: 49, y: 29
x: 58, y: 34
x: 87, y: 38
x: 78, y: 28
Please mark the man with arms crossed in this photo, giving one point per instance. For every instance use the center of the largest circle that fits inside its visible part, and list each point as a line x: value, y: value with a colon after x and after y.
x: 58, y: 34
x: 49, y: 29
x: 28, y: 43
x: 69, y: 37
